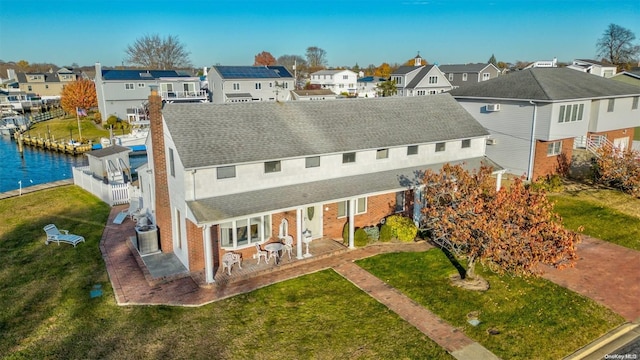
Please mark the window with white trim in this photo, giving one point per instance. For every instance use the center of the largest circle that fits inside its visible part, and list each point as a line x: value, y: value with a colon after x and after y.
x: 312, y: 161
x: 634, y: 104
x: 399, y: 201
x: 486, y: 76
x: 226, y: 172
x: 554, y: 148
x: 272, y: 166
x: 348, y: 158
x: 571, y: 113
x: 141, y: 85
x: 236, y: 86
x: 382, y: 153
x: 172, y: 165
x: 433, y: 79
x: 361, y: 207
x: 412, y: 150
x: 451, y: 77
x: 466, y: 143
x: 258, y: 86
x: 243, y: 232
x: 464, y: 77
x: 611, y: 105
x: 440, y: 146
x: 129, y: 86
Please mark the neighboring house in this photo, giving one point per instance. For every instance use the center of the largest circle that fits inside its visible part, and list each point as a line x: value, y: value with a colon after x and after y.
x: 593, y: 67
x: 368, y: 86
x: 465, y: 74
x: 260, y: 171
x: 420, y: 80
x: 543, y: 63
x: 250, y: 83
x: 123, y: 92
x: 45, y: 85
x: 630, y: 77
x: 536, y: 117
x: 338, y: 81
x: 313, y: 94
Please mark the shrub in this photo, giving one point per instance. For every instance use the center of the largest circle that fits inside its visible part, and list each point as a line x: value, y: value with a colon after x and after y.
x: 360, y: 238
x: 550, y: 183
x: 372, y: 232
x: 97, y: 118
x: 115, y: 123
x: 401, y: 227
x: 345, y: 233
x: 386, y: 233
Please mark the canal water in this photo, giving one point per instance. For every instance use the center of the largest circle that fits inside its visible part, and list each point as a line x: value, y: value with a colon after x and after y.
x: 39, y: 166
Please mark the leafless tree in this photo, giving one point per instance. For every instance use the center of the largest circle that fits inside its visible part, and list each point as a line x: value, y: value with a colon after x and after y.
x: 316, y: 58
x: 616, y: 45
x: 153, y: 52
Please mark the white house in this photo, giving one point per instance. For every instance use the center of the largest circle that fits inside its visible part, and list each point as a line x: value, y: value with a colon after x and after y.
x: 263, y: 169
x: 465, y: 74
x: 594, y: 67
x: 338, y: 81
x: 231, y: 84
x: 368, y: 86
x: 536, y: 117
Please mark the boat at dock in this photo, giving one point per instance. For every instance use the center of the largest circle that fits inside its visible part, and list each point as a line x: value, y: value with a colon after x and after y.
x: 12, y: 124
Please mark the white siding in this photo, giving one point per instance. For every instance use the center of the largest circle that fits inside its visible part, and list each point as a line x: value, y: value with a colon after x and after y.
x: 621, y: 117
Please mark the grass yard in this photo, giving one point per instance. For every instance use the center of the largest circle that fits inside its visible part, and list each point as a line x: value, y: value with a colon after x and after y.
x: 47, y: 311
x: 63, y: 128
x: 609, y: 215
x: 536, y: 318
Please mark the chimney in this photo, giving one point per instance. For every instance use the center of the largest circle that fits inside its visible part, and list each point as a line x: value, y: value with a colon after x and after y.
x: 159, y: 163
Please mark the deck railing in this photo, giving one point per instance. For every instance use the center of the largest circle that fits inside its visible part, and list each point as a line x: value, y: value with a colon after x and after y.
x: 184, y: 95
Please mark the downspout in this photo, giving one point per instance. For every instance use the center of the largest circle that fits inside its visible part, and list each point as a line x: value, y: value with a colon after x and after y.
x: 193, y: 180
x: 532, y: 148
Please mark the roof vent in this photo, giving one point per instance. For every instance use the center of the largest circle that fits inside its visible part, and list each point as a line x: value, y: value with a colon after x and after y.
x: 493, y: 107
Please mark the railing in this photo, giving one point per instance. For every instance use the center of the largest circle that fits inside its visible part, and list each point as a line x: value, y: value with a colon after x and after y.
x: 112, y: 193
x: 595, y: 142
x: 182, y: 95
x: 47, y: 115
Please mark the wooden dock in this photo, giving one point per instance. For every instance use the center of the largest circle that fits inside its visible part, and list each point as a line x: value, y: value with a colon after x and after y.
x: 52, y: 145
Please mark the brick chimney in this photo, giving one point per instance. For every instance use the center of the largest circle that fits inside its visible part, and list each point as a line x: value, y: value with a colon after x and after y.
x: 163, y: 205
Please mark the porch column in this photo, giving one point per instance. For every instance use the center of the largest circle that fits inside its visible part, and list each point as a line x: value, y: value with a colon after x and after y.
x: 208, y: 254
x: 299, y: 217
x: 499, y: 180
x: 352, y: 225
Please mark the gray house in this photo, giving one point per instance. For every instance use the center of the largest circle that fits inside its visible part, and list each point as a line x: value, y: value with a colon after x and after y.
x: 122, y: 92
x: 250, y: 83
x: 420, y: 80
x: 465, y: 74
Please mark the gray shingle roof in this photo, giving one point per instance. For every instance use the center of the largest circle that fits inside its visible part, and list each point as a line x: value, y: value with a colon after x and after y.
x: 403, y: 70
x: 220, y: 208
x: 462, y: 68
x: 107, y: 151
x: 419, y: 76
x: 218, y: 134
x: 547, y: 84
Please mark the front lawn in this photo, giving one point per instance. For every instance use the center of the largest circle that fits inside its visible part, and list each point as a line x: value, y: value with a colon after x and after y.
x: 605, y: 214
x: 64, y: 128
x: 536, y: 318
x: 47, y: 311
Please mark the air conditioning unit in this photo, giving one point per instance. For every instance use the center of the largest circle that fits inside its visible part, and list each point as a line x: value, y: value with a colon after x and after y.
x: 493, y: 107
x: 491, y: 141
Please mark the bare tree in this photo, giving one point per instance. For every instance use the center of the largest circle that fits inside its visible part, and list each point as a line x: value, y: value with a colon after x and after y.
x: 316, y: 58
x: 153, y: 52
x: 616, y: 45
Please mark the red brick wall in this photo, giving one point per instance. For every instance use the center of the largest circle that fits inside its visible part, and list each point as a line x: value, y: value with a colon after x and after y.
x: 615, y: 134
x: 163, y: 206
x: 378, y: 207
x: 195, y: 246
x: 544, y: 165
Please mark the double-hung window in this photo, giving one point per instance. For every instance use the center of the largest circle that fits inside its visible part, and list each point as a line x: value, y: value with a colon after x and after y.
x: 440, y: 146
x: 226, y: 172
x: 361, y: 207
x: 312, y: 161
x: 554, y: 148
x: 129, y: 86
x: 272, y: 166
x: 348, y: 158
x: 433, y: 79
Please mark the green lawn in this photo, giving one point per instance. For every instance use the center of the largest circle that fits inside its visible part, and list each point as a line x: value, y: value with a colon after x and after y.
x: 536, y: 318
x: 47, y: 311
x: 604, y: 214
x: 63, y: 128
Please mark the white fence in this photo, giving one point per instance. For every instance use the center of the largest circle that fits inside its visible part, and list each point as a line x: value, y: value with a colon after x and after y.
x: 112, y: 194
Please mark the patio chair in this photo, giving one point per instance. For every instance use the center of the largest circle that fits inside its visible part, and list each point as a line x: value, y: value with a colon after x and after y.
x: 261, y: 254
x: 228, y: 259
x: 53, y: 234
x: 288, y: 245
x: 132, y: 212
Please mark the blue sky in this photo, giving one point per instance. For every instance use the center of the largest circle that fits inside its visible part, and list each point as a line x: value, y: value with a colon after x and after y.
x: 232, y: 32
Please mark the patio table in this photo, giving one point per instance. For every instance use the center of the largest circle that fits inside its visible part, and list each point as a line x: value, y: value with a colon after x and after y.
x: 274, y: 250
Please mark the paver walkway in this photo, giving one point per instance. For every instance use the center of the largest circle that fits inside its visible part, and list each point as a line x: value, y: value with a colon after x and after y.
x: 605, y: 272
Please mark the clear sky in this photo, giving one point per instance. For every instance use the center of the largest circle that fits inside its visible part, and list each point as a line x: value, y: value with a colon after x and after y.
x: 232, y: 32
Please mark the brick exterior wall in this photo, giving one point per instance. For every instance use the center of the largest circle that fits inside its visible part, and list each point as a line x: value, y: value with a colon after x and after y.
x: 163, y: 205
x: 544, y: 165
x: 195, y: 246
x: 616, y: 134
x: 378, y: 207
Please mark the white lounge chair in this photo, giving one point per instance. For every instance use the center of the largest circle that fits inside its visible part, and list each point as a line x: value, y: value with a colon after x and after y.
x: 133, y: 211
x: 53, y: 234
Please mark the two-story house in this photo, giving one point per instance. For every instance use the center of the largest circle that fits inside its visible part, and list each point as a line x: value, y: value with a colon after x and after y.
x: 368, y: 86
x: 338, y: 81
x: 593, y: 67
x: 231, y: 84
x: 267, y: 168
x: 536, y: 117
x: 464, y: 74
x: 47, y: 84
x: 419, y: 80
x: 122, y: 92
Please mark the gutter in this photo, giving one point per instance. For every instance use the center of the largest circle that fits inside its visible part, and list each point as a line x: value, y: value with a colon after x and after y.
x: 532, y: 147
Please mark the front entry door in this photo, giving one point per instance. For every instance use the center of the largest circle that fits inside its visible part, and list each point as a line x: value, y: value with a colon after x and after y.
x: 313, y: 220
